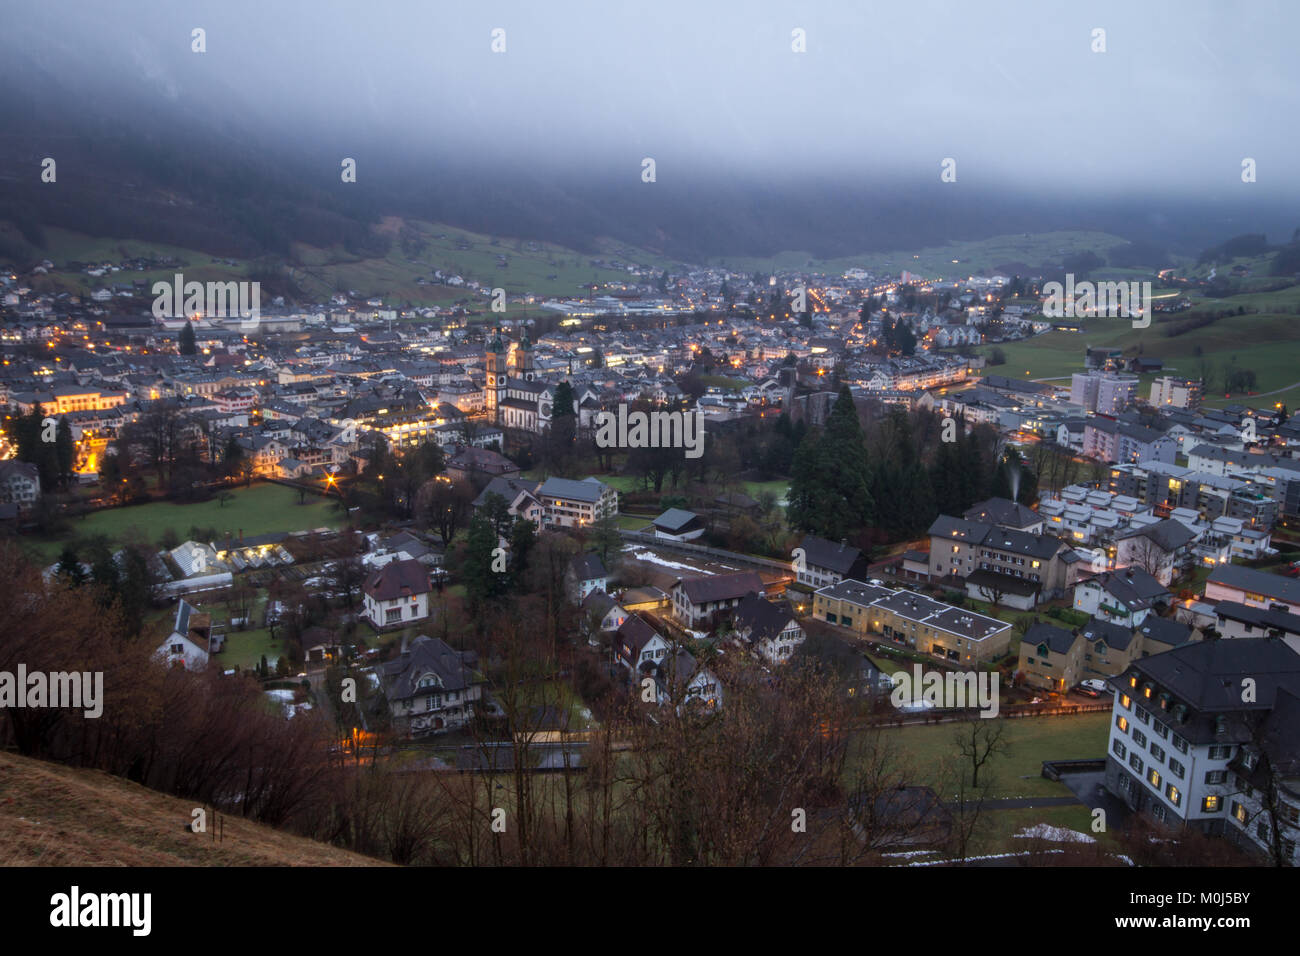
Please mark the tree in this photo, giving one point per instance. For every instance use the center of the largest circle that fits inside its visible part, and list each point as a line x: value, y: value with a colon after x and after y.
x: 829, y: 489
x: 188, y: 346
x: 482, y: 583
x: 978, y: 741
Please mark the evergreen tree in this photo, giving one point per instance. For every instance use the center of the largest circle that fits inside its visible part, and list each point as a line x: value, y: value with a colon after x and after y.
x: 481, y: 582
x: 65, y: 450
x: 188, y: 345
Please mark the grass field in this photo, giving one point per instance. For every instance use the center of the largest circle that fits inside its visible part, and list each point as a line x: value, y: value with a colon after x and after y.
x: 261, y: 509
x: 1018, y: 772
x: 1268, y: 343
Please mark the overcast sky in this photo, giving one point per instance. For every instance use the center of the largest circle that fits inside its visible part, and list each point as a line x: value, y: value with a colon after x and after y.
x: 1012, y: 90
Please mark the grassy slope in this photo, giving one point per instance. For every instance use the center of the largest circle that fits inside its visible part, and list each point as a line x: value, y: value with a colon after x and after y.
x: 52, y: 815
x: 1268, y: 342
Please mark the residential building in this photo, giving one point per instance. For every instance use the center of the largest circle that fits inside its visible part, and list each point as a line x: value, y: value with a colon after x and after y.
x: 431, y: 687
x: 397, y: 594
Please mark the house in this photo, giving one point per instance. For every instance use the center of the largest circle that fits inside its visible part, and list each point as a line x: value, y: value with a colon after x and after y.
x: 604, y: 613
x: 695, y: 599
x: 1187, y: 747
x: 770, y: 629
x: 676, y: 524
x: 1231, y: 582
x: 431, y: 687
x: 681, y: 681
x: 1005, y: 513
x: 479, y: 465
x: 572, y: 504
x: 951, y: 633
x: 191, y: 642
x: 1124, y: 597
x: 637, y: 643
x: 585, y: 573
x: 1051, y: 658
x: 20, y: 483
x: 520, y: 497
x: 397, y: 594
x: 1236, y: 620
x: 818, y: 562
x: 1036, y: 562
x: 1156, y: 548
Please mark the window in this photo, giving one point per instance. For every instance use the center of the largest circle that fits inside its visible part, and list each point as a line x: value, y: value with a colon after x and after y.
x: 1174, y: 794
x: 1143, y: 716
x: 1153, y: 778
x: 1220, y: 753
x: 1216, y: 776
x: 1126, y: 701
x: 1180, y: 744
x: 1238, y: 812
x: 1120, y: 750
x: 1161, y: 730
x: 1177, y: 769
x: 1158, y: 753
x: 1211, y: 804
x: 1139, y: 738
x: 1135, y: 762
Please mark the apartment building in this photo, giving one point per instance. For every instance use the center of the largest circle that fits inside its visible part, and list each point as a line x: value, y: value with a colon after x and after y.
x: 1188, y: 748
x: 572, y: 504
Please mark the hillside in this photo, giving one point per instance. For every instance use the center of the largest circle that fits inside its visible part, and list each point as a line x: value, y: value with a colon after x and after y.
x: 51, y: 815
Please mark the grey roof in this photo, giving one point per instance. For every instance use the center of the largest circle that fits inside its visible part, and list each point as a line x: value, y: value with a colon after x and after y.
x: 1169, y: 535
x: 1260, y: 582
x: 588, y: 566
x: 1208, y: 675
x: 855, y: 592
x: 1004, y: 512
x: 428, y: 656
x: 588, y: 489
x: 674, y: 519
x: 1262, y: 617
x: 1058, y: 640
x: 1043, y: 546
x: 1135, y: 588
x: 838, y: 557
x: 1113, y: 634
x: 761, y: 617
x: 1166, y: 630
x: 507, y: 488
x: 721, y: 587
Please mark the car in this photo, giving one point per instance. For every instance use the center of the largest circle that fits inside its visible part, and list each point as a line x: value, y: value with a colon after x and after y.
x: 1088, y: 691
x: 877, y: 582
x: 1094, y: 684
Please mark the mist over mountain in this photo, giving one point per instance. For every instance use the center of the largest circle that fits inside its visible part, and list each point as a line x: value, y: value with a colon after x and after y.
x: 237, y: 150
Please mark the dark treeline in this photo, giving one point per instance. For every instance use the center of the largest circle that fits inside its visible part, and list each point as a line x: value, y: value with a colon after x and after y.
x: 889, y: 480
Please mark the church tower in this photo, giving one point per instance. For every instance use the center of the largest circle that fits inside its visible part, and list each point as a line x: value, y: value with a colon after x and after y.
x: 524, y: 359
x: 496, y: 377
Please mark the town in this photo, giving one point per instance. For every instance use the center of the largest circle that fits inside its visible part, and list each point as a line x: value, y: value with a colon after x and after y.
x: 392, y: 519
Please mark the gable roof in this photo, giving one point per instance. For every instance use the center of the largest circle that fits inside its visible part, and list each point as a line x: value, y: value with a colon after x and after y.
x: 1111, y: 633
x: 821, y: 553
x: 398, y: 579
x: 762, y: 618
x: 674, y: 520
x: 1260, y: 582
x: 1135, y: 588
x: 589, y: 489
x: 1058, y: 641
x: 587, y: 566
x: 720, y: 587
x: 428, y: 656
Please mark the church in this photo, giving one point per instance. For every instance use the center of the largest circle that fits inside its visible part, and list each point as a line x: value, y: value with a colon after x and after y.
x: 518, y: 400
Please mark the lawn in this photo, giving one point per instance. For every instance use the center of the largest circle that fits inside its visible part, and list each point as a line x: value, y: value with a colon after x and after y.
x: 1017, y: 773
x: 1267, y: 342
x: 261, y: 509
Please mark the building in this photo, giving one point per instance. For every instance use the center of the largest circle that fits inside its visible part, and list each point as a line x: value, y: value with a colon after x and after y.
x: 1104, y: 393
x: 1122, y: 597
x: 431, y: 687
x: 20, y: 483
x: 1231, y: 582
x: 1021, y: 568
x: 1169, y: 391
x: 585, y: 573
x: 573, y: 504
x: 677, y: 524
x: 192, y: 641
x: 1051, y: 658
x: 397, y: 594
x: 696, y: 599
x: 770, y: 629
x: 1005, y: 513
x: 818, y: 562
x: 1157, y: 548
x: 1188, y: 748
x: 1236, y: 620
